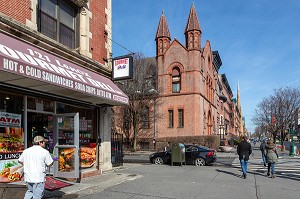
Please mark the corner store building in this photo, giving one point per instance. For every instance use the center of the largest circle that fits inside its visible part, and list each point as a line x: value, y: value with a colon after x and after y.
x: 52, y: 65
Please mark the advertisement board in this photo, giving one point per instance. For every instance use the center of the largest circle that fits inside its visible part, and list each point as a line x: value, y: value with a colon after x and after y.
x: 11, y: 147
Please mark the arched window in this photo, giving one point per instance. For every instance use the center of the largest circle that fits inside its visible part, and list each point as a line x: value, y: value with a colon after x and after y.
x: 176, y: 80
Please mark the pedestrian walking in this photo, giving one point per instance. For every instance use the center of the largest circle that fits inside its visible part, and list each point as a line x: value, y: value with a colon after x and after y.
x: 34, y: 160
x: 244, y: 150
x: 262, y: 148
x: 271, y: 157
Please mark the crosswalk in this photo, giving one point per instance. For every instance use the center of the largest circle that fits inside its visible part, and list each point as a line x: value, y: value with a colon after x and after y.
x: 284, y: 167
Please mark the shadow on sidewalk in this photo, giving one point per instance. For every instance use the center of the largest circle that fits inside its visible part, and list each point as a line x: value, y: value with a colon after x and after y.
x: 58, y: 194
x: 229, y: 173
x: 286, y: 175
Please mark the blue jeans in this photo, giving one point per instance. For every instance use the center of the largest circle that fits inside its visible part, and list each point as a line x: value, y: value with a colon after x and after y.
x: 35, y: 190
x: 244, y: 164
x: 271, y: 166
x: 263, y: 157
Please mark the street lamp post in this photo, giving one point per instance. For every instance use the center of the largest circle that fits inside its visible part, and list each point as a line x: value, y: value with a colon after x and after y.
x: 292, y: 153
x: 221, y: 132
x: 154, y: 123
x: 153, y: 91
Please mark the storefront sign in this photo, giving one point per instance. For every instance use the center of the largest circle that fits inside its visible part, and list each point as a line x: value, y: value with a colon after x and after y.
x: 10, y: 120
x: 23, y: 59
x: 122, y: 68
x: 9, y: 156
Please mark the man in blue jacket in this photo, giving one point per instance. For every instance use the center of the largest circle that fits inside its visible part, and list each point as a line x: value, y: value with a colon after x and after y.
x: 244, y: 150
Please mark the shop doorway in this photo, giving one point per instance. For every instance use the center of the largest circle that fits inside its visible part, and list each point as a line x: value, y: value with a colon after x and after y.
x: 66, y: 139
x: 40, y: 124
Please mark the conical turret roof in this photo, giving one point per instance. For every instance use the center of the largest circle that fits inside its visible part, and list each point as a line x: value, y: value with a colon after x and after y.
x: 192, y: 22
x: 163, y: 30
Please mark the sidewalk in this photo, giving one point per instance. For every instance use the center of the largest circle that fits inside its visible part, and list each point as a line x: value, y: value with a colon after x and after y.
x: 127, y: 173
x: 164, y: 181
x: 107, y: 179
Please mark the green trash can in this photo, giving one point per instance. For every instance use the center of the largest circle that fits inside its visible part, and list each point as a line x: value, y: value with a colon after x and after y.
x: 178, y: 153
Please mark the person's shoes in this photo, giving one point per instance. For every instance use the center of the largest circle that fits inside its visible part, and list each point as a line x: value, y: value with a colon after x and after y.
x: 268, y: 174
x: 272, y: 176
x: 265, y: 164
x: 245, y: 176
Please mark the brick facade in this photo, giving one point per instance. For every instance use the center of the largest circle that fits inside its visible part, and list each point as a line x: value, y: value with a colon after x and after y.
x: 198, y: 81
x: 19, y: 20
x: 16, y: 9
x: 99, y: 31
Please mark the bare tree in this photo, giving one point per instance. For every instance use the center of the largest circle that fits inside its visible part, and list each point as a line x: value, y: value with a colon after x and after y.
x: 257, y: 132
x: 142, y: 92
x: 277, y: 112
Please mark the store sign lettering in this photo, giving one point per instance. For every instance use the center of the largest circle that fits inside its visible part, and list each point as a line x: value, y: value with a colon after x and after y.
x: 23, y: 59
x: 9, y: 156
x: 10, y: 120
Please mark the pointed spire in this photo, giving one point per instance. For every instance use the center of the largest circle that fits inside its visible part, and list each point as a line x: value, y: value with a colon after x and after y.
x: 163, y: 36
x: 193, y: 22
x: 163, y: 30
x: 238, y: 94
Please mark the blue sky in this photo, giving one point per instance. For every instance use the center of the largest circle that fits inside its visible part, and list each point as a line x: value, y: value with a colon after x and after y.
x: 258, y: 40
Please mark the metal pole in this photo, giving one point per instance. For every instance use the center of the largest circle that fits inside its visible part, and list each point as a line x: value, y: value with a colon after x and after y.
x: 292, y: 144
x: 154, y: 123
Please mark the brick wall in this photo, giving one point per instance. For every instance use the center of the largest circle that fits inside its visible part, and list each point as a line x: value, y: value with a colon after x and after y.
x: 19, y: 10
x: 97, y: 26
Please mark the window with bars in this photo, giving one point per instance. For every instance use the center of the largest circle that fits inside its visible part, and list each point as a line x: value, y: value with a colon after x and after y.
x: 180, y: 118
x: 57, y: 20
x: 171, y: 118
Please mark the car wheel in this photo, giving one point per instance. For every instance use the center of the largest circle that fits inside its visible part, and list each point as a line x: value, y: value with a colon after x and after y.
x: 199, y: 162
x: 158, y: 160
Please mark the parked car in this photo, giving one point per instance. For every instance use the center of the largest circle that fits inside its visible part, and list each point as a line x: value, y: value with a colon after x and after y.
x: 162, y: 157
x: 194, y: 154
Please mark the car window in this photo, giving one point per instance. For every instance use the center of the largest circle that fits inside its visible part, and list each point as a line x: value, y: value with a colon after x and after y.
x: 188, y: 149
x: 204, y: 149
x: 194, y: 149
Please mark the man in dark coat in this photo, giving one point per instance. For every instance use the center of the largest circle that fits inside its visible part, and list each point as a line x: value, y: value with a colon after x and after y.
x: 244, y: 150
x: 262, y: 149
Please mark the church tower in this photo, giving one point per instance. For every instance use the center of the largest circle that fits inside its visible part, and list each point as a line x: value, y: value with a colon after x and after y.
x: 163, y: 37
x: 193, y: 31
x: 240, y: 109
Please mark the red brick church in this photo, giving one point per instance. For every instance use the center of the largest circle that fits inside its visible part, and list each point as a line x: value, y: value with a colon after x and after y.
x: 194, y: 102
x: 187, y: 82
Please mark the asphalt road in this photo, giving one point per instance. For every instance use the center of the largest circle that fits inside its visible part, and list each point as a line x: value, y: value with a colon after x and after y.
x: 150, y: 181
x: 144, y: 158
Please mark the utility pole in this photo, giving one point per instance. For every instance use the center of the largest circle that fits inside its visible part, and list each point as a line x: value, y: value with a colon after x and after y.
x: 292, y: 151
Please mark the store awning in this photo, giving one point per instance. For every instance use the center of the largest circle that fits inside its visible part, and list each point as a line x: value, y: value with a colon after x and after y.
x: 24, y: 65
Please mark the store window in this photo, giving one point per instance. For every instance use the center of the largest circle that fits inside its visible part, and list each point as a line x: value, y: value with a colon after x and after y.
x: 58, y: 21
x: 38, y: 104
x: 87, y: 126
x: 11, y: 134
